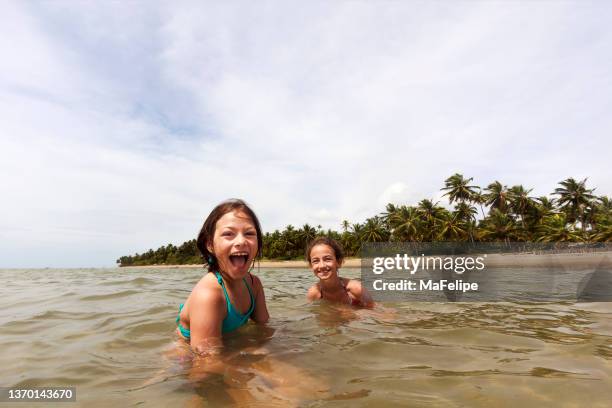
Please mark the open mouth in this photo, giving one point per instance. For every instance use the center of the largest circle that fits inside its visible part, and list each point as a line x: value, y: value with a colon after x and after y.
x: 239, y: 260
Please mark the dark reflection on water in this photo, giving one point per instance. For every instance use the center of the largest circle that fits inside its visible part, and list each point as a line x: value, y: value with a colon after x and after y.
x: 596, y: 287
x: 111, y: 334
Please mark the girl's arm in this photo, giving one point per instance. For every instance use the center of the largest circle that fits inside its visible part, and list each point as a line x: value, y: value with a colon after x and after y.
x: 206, y: 314
x: 260, y: 314
x: 357, y: 289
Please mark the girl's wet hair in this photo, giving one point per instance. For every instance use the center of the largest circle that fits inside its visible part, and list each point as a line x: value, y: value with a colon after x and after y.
x: 208, y: 229
x: 332, y: 243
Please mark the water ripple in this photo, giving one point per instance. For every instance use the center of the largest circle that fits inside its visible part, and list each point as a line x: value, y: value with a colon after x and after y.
x: 111, y: 333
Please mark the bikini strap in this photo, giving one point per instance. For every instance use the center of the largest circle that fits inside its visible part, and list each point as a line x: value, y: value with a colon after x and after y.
x: 347, y: 291
x: 248, y: 313
x: 227, y: 299
x: 178, y: 316
x: 248, y: 288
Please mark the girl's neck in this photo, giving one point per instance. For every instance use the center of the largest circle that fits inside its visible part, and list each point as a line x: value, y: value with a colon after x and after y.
x: 229, y: 282
x: 332, y: 284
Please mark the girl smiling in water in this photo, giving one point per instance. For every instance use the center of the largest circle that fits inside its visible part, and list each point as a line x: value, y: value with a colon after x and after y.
x: 228, y: 295
x: 222, y: 301
x: 325, y: 256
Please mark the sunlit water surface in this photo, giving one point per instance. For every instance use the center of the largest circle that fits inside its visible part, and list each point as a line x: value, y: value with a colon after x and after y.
x: 110, y: 333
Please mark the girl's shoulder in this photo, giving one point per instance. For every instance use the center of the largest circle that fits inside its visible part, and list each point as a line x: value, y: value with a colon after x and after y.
x: 314, y: 292
x: 254, y: 281
x: 208, y: 281
x: 207, y: 289
x: 352, y: 284
x: 356, y: 288
x: 209, y: 285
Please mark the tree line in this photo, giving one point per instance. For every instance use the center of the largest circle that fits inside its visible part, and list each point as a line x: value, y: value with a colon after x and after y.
x: 573, y: 213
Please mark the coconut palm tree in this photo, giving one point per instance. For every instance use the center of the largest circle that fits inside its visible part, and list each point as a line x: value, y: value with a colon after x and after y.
x: 374, y: 230
x: 556, y: 228
x: 520, y: 202
x: 405, y: 224
x: 306, y: 234
x: 603, y: 233
x: 605, y: 204
x: 347, y: 240
x: 499, y: 226
x: 600, y: 212
x: 480, y: 199
x: 431, y: 215
x: 452, y: 228
x: 466, y: 214
x: 287, y: 241
x: 497, y: 196
x: 542, y: 207
x: 601, y: 220
x: 354, y: 237
x: 345, y: 225
x: 459, y: 189
x: 356, y: 229
x: 545, y: 204
x: 574, y: 199
x: 430, y: 211
x: 390, y: 209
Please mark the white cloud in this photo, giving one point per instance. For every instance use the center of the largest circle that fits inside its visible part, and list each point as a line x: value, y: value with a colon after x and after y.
x: 397, y: 192
x: 121, y: 126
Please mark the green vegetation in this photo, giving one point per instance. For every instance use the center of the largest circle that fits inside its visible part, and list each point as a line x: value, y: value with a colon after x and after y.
x: 572, y: 214
x: 187, y: 253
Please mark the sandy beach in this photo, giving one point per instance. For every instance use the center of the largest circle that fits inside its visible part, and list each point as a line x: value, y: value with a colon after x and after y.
x: 573, y: 260
x: 584, y: 260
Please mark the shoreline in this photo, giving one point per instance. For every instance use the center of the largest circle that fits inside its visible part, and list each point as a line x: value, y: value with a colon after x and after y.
x: 587, y: 260
x: 348, y: 263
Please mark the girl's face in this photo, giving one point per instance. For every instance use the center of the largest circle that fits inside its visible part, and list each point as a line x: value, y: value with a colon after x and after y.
x: 234, y: 244
x: 323, y: 261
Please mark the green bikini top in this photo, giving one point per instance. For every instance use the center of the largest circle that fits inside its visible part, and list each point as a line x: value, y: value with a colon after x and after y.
x: 234, y: 318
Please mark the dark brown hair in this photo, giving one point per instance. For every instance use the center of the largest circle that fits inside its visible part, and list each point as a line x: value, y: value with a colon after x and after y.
x: 208, y: 229
x: 332, y: 243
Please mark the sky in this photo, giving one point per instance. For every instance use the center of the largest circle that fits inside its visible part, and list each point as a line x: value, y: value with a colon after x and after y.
x: 122, y: 124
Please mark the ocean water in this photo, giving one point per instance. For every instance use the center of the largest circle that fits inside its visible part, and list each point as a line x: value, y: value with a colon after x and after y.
x: 110, y: 333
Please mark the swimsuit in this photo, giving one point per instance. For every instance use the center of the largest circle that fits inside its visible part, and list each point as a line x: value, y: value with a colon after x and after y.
x: 234, y: 318
x: 352, y: 301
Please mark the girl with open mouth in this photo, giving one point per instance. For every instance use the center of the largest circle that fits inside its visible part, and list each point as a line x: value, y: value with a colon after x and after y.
x: 228, y: 295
